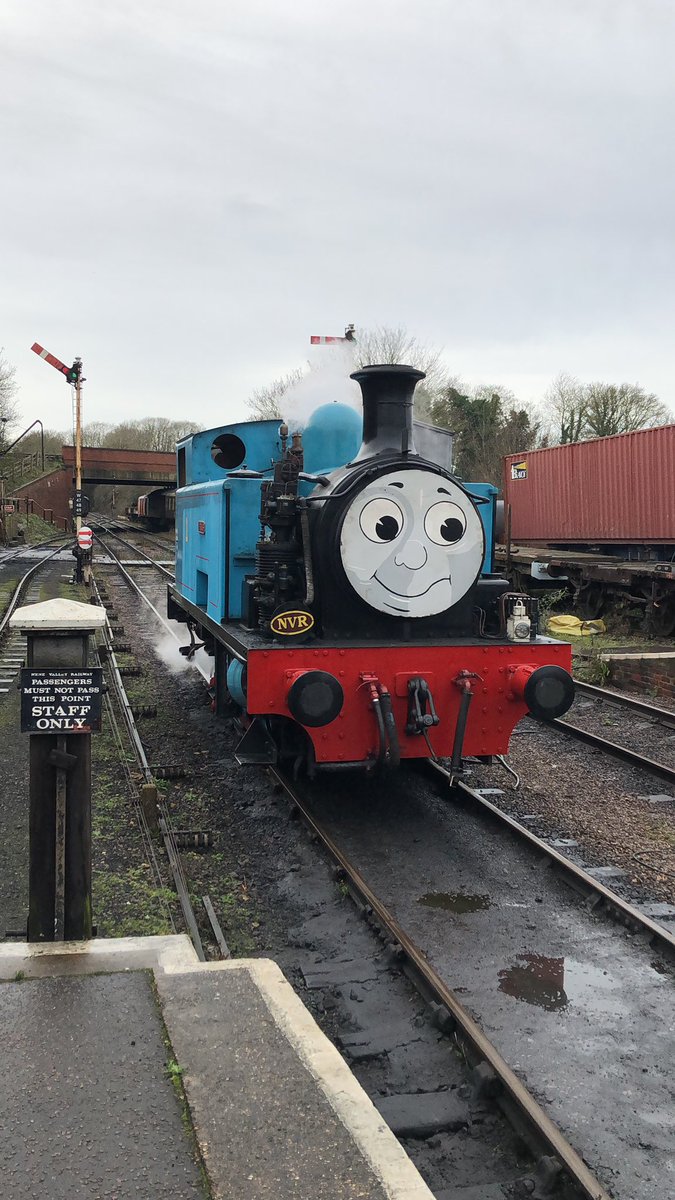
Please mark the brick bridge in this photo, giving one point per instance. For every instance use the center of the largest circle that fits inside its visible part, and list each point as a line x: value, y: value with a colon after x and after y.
x: 51, y: 492
x: 100, y: 465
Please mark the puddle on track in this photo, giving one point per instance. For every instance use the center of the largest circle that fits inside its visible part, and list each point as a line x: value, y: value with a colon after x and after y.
x: 455, y: 902
x: 557, y: 983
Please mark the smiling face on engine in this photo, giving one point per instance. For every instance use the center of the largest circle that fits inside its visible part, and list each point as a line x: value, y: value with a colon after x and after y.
x: 412, y: 543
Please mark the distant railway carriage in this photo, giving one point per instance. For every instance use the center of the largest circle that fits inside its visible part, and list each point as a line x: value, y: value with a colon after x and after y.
x: 600, y: 516
x: 344, y: 584
x: 155, y: 510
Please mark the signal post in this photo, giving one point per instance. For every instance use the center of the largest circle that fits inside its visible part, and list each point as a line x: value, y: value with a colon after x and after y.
x: 84, y: 552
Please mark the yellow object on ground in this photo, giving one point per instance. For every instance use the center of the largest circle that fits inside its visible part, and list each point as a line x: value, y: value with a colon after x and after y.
x: 562, y: 624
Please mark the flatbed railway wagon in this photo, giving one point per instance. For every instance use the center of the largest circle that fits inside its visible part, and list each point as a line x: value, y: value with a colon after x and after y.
x: 599, y: 515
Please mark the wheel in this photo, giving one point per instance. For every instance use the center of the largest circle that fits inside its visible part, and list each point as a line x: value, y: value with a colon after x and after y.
x: 662, y: 617
x: 591, y: 601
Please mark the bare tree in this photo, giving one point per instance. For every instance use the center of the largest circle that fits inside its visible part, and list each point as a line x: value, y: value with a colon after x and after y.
x: 565, y: 409
x: 622, y: 408
x: 385, y: 344
x: 265, y: 402
x: 160, y: 433
x: 8, y: 405
x: 577, y: 411
x: 382, y: 344
x: 94, y: 433
x: 146, y: 433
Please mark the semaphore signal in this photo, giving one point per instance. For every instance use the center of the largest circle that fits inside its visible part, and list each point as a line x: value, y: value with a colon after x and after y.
x: 74, y: 376
x: 319, y: 340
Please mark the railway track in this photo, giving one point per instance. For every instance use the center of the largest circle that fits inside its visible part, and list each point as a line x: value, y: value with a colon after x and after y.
x: 27, y: 549
x: 118, y: 525
x: 21, y: 587
x: 490, y: 1069
x: 622, y: 700
x: 164, y: 820
x: 619, y: 701
x: 502, y: 1071
x: 634, y: 759
x: 601, y: 897
x: 109, y: 659
x: 547, y: 980
x: 146, y: 559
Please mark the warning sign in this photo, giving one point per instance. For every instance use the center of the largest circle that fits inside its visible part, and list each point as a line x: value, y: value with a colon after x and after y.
x: 61, y: 701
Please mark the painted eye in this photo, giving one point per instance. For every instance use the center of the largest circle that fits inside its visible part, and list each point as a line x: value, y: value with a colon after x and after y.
x: 381, y: 520
x: 445, y: 523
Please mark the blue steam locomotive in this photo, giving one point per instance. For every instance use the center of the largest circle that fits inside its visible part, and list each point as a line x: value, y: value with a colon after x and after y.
x: 343, y: 581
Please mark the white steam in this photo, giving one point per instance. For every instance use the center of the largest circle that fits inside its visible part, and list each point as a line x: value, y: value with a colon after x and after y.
x: 326, y: 382
x: 167, y: 649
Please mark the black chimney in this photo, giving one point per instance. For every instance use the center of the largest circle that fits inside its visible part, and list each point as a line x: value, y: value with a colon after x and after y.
x: 387, y: 409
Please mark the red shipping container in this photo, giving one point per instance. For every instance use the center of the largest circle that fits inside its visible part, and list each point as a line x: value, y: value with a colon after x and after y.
x: 615, y: 489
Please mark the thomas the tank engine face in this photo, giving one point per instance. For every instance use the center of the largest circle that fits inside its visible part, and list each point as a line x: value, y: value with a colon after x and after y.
x: 412, y: 543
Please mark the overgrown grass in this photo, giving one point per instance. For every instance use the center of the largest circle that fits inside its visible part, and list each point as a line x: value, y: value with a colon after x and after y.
x: 128, y: 904
x: 127, y: 900
x: 6, y: 591
x: 38, y: 530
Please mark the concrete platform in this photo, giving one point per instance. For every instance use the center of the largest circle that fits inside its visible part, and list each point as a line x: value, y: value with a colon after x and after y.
x: 133, y: 1070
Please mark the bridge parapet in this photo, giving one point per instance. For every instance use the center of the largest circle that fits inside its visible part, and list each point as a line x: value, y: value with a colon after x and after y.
x: 103, y: 464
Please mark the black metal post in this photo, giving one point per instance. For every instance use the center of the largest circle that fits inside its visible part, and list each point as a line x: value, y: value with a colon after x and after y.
x: 22, y: 435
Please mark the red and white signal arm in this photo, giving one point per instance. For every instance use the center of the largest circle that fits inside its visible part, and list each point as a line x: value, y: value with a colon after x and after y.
x: 85, y: 538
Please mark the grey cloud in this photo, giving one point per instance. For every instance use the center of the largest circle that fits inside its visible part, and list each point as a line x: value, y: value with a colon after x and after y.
x: 191, y: 190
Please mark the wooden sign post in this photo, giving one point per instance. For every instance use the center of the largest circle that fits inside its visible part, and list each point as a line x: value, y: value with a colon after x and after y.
x: 60, y: 707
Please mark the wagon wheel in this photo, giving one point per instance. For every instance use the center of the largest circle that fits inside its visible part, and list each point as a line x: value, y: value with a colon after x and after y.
x: 662, y: 617
x: 591, y: 600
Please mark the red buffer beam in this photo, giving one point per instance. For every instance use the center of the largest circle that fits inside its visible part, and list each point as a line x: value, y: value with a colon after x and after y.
x: 51, y: 359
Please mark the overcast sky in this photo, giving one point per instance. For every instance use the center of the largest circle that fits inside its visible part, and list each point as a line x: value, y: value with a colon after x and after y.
x: 189, y: 190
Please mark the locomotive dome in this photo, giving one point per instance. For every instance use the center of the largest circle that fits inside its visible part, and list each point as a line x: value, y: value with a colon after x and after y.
x: 332, y: 435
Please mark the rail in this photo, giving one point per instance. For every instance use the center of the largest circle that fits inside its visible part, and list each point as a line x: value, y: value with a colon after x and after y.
x: 621, y: 700
x: 109, y: 532
x: 21, y: 587
x: 615, y: 905
x: 164, y: 819
x: 640, y: 761
x: 516, y: 1102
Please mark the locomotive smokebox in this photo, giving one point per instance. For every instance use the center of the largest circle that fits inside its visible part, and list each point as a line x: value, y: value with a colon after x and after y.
x: 387, y: 409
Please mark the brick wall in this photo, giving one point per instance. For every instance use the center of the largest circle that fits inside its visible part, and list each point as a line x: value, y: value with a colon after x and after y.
x: 49, y: 493
x: 650, y: 673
